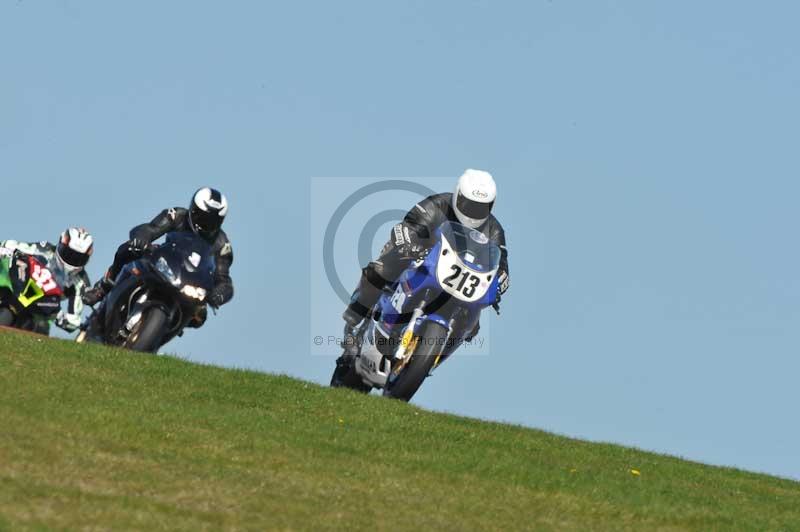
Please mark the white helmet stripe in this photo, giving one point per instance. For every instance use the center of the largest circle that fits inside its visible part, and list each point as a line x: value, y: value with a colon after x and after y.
x: 207, y: 198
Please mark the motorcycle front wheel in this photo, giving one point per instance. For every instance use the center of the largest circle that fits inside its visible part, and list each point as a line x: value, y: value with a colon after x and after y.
x: 148, y: 333
x: 429, y: 344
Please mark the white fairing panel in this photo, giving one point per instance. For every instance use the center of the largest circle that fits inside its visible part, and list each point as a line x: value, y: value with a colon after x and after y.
x: 458, y: 279
x: 370, y: 364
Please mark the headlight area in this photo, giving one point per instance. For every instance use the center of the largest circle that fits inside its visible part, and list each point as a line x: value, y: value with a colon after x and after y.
x: 163, y: 268
x: 194, y: 292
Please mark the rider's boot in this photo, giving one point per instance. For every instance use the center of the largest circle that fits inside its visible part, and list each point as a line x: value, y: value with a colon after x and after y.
x: 345, y: 362
x: 93, y: 328
x: 349, y: 340
x: 361, y: 303
x: 360, y: 307
x: 99, y: 291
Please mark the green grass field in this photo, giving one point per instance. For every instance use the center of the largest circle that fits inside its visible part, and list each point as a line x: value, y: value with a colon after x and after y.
x: 92, y: 438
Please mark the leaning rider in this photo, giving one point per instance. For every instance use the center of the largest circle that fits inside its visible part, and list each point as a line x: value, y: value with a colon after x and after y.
x: 204, y: 218
x: 67, y: 261
x: 470, y: 205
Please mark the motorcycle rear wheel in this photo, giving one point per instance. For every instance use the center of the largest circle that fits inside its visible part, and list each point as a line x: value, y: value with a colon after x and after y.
x: 429, y: 345
x: 345, y: 376
x: 6, y: 317
x: 148, y: 334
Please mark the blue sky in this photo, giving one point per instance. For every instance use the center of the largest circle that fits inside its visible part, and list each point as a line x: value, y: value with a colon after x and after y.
x: 645, y: 155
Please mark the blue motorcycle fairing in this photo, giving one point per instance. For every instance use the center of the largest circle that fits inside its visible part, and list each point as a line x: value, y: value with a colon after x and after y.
x: 418, y: 285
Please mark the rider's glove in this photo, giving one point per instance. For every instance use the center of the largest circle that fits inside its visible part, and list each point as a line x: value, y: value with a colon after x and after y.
x: 7, y: 248
x: 406, y: 243
x: 216, y: 298
x: 411, y: 251
x: 68, y: 322
x: 502, y: 284
x: 137, y: 245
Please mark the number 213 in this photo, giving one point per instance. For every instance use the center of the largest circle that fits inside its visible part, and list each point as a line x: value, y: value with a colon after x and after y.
x: 467, y: 289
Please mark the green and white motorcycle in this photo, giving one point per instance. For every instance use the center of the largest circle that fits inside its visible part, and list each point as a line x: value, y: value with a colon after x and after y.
x: 30, y: 294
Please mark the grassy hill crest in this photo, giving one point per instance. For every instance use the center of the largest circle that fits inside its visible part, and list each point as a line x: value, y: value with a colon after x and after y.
x: 98, y: 438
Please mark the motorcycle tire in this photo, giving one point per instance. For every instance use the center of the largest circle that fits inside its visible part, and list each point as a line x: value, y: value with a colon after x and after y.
x: 430, y: 343
x: 147, y: 336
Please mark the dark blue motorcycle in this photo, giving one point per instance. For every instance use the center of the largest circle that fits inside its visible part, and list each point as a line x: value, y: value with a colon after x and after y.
x: 155, y: 297
x: 424, y: 316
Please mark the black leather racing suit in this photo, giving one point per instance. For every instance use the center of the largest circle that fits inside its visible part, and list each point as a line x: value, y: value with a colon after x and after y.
x: 177, y: 219
x: 406, y: 240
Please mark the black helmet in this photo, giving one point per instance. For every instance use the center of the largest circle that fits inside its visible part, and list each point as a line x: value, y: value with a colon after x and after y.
x: 207, y: 211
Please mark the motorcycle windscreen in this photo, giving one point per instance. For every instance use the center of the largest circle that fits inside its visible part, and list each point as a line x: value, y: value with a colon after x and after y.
x: 467, y: 263
x: 189, y: 256
x: 473, y: 247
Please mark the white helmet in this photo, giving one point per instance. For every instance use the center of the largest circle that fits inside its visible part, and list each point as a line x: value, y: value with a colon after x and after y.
x: 74, y: 248
x: 474, y: 197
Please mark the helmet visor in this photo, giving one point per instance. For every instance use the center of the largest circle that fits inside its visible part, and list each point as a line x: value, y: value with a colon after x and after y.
x: 72, y: 257
x: 205, y: 222
x: 473, y: 209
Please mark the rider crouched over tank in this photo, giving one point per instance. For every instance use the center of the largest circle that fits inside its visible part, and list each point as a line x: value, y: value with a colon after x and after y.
x: 201, y: 223
x: 432, y: 298
x: 35, y: 277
